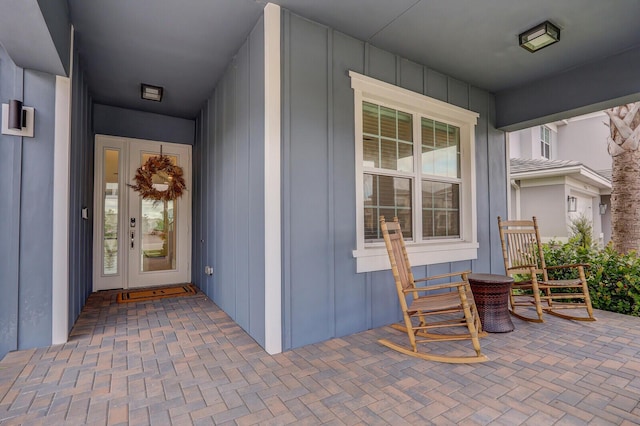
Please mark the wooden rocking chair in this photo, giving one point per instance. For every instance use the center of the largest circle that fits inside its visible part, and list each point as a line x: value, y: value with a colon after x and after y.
x: 524, y: 260
x: 448, y: 310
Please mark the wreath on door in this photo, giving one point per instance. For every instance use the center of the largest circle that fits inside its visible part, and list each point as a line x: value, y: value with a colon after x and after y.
x: 171, y: 174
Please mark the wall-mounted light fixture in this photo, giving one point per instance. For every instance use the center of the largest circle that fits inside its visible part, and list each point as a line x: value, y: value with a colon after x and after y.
x: 17, y: 116
x: 572, y: 204
x: 151, y: 93
x: 17, y: 120
x: 603, y: 208
x: 540, y: 36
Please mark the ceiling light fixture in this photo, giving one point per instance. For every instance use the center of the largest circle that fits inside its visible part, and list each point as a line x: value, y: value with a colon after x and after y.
x: 541, y: 36
x: 151, y: 93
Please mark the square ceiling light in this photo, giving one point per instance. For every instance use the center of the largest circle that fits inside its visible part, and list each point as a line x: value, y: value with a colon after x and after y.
x: 151, y: 93
x: 540, y: 36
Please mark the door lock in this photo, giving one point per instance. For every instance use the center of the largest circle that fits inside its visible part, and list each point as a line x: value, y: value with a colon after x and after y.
x: 133, y: 238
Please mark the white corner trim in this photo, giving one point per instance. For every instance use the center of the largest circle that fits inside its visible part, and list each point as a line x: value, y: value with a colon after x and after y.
x: 60, y: 254
x: 272, y: 196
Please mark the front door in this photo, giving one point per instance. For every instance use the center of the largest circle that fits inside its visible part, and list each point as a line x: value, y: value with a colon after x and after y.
x: 139, y: 242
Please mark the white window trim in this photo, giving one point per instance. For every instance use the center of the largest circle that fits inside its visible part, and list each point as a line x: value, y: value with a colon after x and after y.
x: 545, y: 142
x: 373, y: 257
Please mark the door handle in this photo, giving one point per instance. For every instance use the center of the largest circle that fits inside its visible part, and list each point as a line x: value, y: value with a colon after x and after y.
x: 133, y: 238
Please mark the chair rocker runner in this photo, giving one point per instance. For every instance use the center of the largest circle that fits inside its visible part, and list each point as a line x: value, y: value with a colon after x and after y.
x: 523, y: 256
x: 425, y: 313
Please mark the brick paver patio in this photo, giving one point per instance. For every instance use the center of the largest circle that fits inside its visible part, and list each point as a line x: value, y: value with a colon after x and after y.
x: 183, y: 361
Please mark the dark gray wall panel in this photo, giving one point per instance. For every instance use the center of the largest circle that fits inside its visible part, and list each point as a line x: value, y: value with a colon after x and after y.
x: 256, y: 226
x: 350, y: 289
x: 110, y: 120
x: 36, y: 235
x: 497, y: 152
x: 381, y: 64
x: 319, y: 216
x: 241, y: 207
x: 80, y: 194
x: 411, y: 76
x: 10, y: 162
x: 210, y: 193
x: 197, y: 240
x: 479, y: 104
x: 227, y: 163
x: 310, y: 296
x: 458, y: 93
x: 229, y: 194
x: 436, y: 85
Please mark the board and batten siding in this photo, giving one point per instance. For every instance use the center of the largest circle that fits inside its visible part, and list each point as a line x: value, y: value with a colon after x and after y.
x: 81, y: 191
x: 323, y: 296
x: 26, y: 205
x: 229, y: 190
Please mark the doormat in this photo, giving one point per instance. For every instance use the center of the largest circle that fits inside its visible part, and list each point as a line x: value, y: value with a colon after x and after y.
x: 156, y: 293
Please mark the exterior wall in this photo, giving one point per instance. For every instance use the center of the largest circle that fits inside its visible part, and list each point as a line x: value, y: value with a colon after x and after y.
x: 81, y: 194
x: 26, y: 208
x: 549, y: 205
x: 229, y: 190
x: 526, y: 144
x: 606, y: 219
x: 323, y: 296
x: 114, y: 121
x: 10, y: 161
x: 585, y: 140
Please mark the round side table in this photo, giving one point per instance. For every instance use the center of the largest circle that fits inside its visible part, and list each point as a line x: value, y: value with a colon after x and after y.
x: 491, y: 294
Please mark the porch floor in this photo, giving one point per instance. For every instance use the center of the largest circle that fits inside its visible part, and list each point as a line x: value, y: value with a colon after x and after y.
x: 182, y: 361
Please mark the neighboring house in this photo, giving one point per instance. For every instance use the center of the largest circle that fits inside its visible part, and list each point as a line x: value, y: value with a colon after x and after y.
x: 561, y: 171
x: 307, y: 137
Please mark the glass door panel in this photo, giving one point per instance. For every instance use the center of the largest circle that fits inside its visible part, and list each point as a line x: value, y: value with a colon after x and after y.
x: 110, y: 194
x: 158, y: 233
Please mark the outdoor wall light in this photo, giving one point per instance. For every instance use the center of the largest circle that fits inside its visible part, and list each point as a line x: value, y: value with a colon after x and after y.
x: 17, y: 119
x: 572, y: 204
x: 17, y: 116
x: 603, y: 208
x: 151, y: 93
x: 540, y: 36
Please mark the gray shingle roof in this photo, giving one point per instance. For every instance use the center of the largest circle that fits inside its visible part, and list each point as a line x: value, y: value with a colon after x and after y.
x: 521, y: 165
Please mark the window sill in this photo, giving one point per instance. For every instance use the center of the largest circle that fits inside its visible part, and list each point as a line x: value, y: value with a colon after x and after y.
x: 376, y: 258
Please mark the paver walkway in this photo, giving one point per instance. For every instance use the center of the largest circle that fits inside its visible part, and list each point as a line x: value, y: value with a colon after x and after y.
x: 183, y: 361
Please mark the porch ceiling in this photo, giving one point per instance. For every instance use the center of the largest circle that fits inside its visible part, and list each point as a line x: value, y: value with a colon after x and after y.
x: 185, y: 46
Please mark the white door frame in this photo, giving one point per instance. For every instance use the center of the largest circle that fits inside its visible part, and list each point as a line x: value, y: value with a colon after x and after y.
x: 123, y: 277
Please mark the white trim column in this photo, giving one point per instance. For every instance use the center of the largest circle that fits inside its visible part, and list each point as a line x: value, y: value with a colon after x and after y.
x: 61, y: 175
x: 272, y: 184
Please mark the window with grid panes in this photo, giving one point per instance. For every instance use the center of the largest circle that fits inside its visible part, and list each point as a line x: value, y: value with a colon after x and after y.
x: 415, y: 162
x: 545, y: 142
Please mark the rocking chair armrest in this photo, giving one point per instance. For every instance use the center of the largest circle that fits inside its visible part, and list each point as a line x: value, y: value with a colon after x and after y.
x: 435, y: 287
x: 573, y: 265
x: 437, y: 277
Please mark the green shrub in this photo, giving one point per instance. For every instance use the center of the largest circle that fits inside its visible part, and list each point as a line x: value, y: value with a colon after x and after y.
x: 581, y: 232
x: 613, y: 278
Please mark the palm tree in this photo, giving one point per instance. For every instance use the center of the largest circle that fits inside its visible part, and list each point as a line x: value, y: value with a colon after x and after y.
x: 623, y: 142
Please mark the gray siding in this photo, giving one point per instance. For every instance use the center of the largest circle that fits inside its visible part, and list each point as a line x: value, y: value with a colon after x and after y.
x: 26, y: 209
x: 323, y: 295
x: 36, y: 226
x: 114, y: 121
x: 229, y: 189
x: 10, y: 162
x: 80, y: 195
